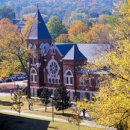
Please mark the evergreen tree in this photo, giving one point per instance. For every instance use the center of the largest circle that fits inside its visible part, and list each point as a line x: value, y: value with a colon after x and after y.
x: 61, y: 98
x: 45, y: 97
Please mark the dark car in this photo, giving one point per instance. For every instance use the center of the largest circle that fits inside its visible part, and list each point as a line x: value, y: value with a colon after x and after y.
x: 1, y: 81
x: 8, y: 79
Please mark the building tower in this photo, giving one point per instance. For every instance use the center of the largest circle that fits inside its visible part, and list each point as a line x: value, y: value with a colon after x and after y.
x: 39, y: 40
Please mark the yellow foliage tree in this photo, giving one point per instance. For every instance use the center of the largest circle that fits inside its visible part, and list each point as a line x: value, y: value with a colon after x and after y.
x: 111, y: 106
x: 62, y: 38
x: 13, y: 47
x: 99, y: 33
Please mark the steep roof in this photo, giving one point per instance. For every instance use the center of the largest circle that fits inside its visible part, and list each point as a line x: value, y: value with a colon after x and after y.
x: 39, y: 30
x: 74, y: 54
x: 63, y: 48
x: 90, y: 51
x: 93, y: 51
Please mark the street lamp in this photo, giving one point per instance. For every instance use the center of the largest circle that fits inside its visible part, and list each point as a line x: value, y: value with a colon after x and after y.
x: 52, y: 96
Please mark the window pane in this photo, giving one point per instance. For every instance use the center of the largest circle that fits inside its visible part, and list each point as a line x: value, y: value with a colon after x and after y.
x: 70, y: 80
x: 68, y: 73
x: 35, y: 78
x: 31, y: 77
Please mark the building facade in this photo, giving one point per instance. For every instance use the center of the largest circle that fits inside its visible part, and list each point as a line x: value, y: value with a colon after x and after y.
x: 52, y: 64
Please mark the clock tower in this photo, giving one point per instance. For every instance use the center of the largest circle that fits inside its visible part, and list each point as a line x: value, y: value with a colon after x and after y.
x: 38, y: 41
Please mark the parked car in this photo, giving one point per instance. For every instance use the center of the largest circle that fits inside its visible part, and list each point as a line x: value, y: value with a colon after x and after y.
x: 8, y: 79
x: 1, y: 81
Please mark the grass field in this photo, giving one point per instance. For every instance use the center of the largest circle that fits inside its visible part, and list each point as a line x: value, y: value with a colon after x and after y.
x: 9, y: 122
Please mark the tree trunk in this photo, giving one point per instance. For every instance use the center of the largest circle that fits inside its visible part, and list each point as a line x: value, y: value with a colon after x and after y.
x: 28, y: 73
x: 63, y: 111
x: 45, y: 107
x: 29, y: 92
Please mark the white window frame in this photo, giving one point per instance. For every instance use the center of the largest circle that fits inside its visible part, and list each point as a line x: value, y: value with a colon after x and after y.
x: 33, y: 76
x: 68, y: 78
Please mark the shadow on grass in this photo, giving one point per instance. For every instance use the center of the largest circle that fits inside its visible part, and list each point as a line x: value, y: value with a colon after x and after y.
x: 5, y: 103
x: 65, y: 114
x: 9, y: 122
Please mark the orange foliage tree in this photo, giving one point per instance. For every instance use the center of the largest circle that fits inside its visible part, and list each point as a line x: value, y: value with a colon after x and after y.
x: 13, y: 47
x: 99, y: 33
x: 62, y: 38
x: 76, y: 31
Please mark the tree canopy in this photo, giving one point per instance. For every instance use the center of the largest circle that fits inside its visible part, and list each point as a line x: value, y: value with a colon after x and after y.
x: 55, y: 27
x: 111, y: 106
x: 13, y: 47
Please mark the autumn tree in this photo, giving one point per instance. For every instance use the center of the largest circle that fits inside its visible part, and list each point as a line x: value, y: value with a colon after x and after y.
x: 99, y: 33
x: 17, y: 102
x: 62, y: 38
x: 13, y: 47
x: 55, y: 27
x: 111, y: 106
x: 76, y: 31
x: 102, y: 19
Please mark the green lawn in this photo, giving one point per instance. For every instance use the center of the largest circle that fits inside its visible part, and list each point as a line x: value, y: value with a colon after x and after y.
x: 23, y: 123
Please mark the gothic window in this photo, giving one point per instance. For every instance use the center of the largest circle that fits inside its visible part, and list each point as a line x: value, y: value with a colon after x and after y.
x: 44, y: 47
x: 68, y: 77
x: 33, y: 75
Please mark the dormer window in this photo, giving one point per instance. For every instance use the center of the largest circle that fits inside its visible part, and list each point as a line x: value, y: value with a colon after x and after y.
x: 52, y: 50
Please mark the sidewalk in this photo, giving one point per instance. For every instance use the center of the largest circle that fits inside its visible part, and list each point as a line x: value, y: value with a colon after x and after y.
x: 24, y: 114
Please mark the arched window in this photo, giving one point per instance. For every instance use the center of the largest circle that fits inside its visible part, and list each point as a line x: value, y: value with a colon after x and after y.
x: 68, y: 77
x: 33, y: 75
x: 82, y: 81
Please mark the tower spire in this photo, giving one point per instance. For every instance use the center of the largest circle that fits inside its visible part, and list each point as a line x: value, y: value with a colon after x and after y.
x: 39, y: 29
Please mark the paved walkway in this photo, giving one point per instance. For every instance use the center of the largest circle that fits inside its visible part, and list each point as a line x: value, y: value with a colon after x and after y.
x: 24, y: 114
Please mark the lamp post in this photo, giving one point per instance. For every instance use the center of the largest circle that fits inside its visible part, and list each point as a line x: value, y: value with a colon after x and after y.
x: 52, y: 96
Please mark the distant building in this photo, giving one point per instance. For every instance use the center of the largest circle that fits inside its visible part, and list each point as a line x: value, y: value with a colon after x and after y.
x: 20, y: 23
x: 54, y: 64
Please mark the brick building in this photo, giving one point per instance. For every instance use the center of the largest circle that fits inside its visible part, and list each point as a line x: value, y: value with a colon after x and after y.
x: 57, y: 63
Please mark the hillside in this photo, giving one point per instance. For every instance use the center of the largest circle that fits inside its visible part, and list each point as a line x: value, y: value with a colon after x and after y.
x: 64, y: 9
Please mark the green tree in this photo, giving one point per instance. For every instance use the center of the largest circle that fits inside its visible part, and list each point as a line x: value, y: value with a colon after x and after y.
x: 61, y: 98
x: 45, y: 97
x: 55, y: 27
x: 7, y: 12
